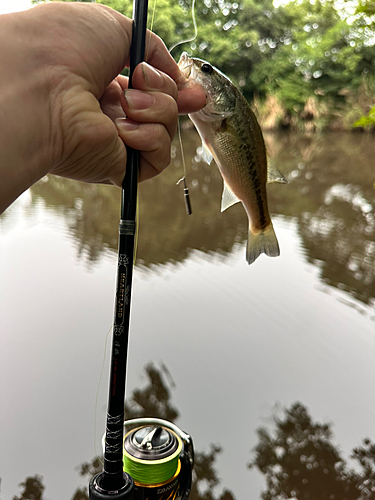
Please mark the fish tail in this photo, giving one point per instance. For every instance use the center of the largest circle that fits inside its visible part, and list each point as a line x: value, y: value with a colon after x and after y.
x: 262, y: 242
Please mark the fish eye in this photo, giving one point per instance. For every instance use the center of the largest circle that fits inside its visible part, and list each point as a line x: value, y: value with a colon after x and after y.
x: 206, y: 68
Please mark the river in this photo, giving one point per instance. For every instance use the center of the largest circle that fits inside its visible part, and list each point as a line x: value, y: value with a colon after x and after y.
x: 235, y: 347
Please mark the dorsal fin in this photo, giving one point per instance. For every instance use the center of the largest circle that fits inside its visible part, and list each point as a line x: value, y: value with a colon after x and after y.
x: 274, y: 175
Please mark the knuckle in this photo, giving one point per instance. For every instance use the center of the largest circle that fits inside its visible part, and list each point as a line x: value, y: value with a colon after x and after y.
x: 161, y: 153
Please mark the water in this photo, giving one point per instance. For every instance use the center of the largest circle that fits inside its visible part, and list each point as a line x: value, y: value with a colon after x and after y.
x: 239, y: 342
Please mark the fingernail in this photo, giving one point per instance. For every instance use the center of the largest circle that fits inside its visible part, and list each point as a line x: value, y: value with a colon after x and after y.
x: 151, y: 76
x: 125, y: 124
x: 137, y: 99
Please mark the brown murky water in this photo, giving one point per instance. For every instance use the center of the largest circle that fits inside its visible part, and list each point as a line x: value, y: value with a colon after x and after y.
x: 232, y: 345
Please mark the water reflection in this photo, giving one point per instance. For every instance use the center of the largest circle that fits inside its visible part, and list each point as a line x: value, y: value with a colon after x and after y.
x: 155, y: 400
x: 300, y: 460
x: 333, y: 198
x: 152, y: 400
x: 32, y: 489
x: 297, y: 456
x: 90, y: 211
x: 330, y: 196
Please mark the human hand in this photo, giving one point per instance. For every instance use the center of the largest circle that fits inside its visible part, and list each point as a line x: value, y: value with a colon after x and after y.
x: 145, y: 116
x: 65, y: 97
x: 95, y: 152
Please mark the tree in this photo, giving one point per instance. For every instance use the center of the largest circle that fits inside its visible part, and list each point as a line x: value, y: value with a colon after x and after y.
x: 296, y: 52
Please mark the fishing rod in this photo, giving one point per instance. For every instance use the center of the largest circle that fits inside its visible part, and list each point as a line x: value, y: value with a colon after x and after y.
x: 153, y: 461
x: 113, y: 482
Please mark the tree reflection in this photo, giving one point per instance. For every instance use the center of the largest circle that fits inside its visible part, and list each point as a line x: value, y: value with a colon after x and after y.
x: 365, y: 456
x: 298, y: 457
x: 299, y: 460
x: 33, y: 489
x: 155, y: 400
x: 166, y: 233
x: 91, y: 212
x: 205, y: 473
x: 330, y: 196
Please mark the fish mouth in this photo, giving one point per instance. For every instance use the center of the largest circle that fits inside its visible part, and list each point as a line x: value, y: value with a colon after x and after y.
x: 185, y: 64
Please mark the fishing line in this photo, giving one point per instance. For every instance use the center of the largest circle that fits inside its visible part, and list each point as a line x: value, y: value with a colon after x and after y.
x: 195, y: 29
x: 97, y: 392
x: 151, y: 26
x: 183, y: 179
x: 106, y: 342
x: 148, y: 471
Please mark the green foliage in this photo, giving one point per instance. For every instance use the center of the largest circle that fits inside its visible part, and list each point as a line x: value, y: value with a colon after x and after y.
x: 304, y: 49
x: 367, y: 7
x: 367, y: 120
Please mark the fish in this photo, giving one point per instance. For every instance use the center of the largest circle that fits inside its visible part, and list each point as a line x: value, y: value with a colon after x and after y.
x: 231, y: 136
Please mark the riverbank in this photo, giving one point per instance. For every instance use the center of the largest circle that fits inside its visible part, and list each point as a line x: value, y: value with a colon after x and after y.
x: 353, y: 114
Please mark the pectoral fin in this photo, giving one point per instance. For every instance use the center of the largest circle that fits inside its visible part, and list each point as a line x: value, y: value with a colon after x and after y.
x: 274, y: 175
x: 211, y: 116
x: 228, y: 198
x: 206, y: 154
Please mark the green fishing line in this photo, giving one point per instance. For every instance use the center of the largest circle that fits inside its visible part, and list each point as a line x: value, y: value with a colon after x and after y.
x: 152, y: 471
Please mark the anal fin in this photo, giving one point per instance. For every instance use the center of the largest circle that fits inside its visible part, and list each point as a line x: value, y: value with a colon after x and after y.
x: 228, y: 198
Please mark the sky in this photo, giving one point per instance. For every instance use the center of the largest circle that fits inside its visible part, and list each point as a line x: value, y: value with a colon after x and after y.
x: 7, y: 6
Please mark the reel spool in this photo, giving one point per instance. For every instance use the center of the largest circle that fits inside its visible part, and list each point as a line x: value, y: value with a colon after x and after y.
x: 159, y: 457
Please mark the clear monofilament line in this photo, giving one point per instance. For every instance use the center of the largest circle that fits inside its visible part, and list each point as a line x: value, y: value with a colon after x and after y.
x: 97, y: 393
x: 188, y: 40
x: 151, y: 27
x: 181, y: 149
x: 186, y: 189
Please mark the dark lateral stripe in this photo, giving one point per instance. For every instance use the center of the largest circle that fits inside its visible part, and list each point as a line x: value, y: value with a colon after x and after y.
x: 257, y: 187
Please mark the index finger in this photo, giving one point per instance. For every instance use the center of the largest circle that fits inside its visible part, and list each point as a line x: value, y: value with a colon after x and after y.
x: 191, y: 97
x: 156, y: 53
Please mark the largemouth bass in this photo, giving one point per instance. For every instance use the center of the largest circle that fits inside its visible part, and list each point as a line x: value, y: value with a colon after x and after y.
x: 231, y: 135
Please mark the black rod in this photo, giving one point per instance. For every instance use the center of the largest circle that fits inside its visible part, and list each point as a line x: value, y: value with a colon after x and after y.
x: 113, y: 477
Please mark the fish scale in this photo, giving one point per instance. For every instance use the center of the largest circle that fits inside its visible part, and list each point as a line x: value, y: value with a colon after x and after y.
x: 231, y: 135
x: 239, y: 152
